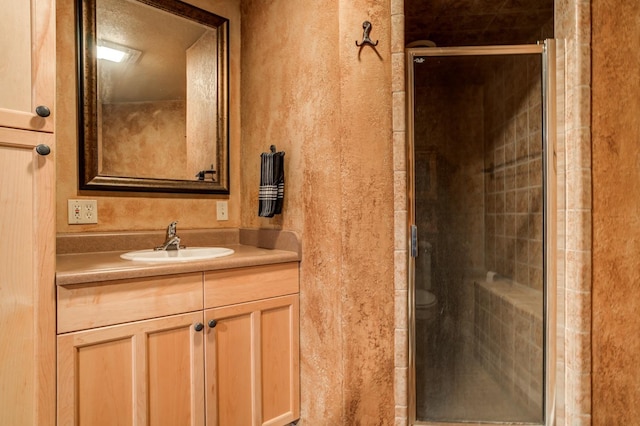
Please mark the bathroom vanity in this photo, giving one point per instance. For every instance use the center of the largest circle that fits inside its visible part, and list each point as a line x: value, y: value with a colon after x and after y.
x: 212, y: 342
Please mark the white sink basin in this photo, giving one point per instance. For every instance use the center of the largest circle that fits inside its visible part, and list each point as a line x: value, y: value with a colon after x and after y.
x: 182, y: 255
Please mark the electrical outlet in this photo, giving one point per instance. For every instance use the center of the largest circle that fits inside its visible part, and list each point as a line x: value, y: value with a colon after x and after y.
x: 82, y: 211
x: 222, y: 210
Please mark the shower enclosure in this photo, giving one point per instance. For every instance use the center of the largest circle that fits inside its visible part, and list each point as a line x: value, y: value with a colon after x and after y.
x: 481, y: 175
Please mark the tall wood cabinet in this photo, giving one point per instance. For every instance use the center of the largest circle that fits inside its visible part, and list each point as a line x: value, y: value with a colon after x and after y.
x: 217, y: 348
x: 27, y: 213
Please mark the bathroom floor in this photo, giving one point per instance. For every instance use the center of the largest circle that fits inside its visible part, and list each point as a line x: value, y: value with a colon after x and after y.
x: 451, y: 385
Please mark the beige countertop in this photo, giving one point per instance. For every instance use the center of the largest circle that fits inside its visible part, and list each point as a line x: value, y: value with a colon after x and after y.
x: 96, y: 266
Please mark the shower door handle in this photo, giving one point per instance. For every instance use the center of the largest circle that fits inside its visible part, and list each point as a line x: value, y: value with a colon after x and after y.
x: 414, y: 241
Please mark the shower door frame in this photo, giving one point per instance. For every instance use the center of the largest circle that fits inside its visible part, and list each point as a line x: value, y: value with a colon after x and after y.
x: 547, y: 50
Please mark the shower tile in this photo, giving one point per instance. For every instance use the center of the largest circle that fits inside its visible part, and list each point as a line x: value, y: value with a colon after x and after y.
x: 522, y: 226
x: 400, y: 269
x: 401, y: 421
x: 400, y: 190
x: 578, y: 349
x: 500, y: 181
x: 401, y: 313
x: 510, y: 264
x: 522, y: 273
x: 397, y: 34
x: 578, y: 270
x: 521, y: 126
x: 580, y: 221
x: 510, y: 128
x: 522, y: 326
x: 578, y: 305
x: 535, y: 278
x: 522, y: 201
x: 579, y: 189
x: 398, y: 100
x: 578, y: 106
x: 401, y: 348
x: 510, y: 226
x: 535, y: 253
x: 397, y: 71
x: 578, y: 148
x: 510, y: 178
x: 510, y: 202
x: 397, y: 8
x: 400, y: 226
x: 499, y: 157
x: 535, y: 118
x: 522, y: 171
x: 400, y: 386
x: 500, y: 205
x: 399, y: 151
x: 535, y: 173
x: 535, y: 198
x: 535, y: 226
x: 509, y: 152
x: 522, y: 251
x: 499, y: 229
x: 579, y: 394
x: 489, y: 181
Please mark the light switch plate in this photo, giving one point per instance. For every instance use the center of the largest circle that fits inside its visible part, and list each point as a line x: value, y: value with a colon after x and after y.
x: 222, y: 210
x: 82, y: 211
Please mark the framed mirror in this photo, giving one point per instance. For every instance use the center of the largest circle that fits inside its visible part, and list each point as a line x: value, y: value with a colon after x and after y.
x: 154, y: 116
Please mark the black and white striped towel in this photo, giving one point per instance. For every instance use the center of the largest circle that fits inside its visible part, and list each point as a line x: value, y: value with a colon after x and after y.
x: 271, y: 193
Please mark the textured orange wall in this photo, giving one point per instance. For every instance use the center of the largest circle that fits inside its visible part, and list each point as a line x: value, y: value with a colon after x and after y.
x: 126, y: 211
x: 616, y: 200
x: 309, y: 90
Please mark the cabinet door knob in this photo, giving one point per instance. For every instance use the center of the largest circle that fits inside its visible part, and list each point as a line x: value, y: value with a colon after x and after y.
x: 43, y: 111
x: 43, y: 149
x: 199, y: 326
x: 212, y: 323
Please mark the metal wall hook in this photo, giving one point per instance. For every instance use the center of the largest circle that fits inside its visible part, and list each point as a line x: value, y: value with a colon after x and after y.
x: 366, y: 26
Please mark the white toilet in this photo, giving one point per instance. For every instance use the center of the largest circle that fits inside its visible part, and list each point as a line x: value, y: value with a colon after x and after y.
x: 425, y: 301
x: 426, y: 304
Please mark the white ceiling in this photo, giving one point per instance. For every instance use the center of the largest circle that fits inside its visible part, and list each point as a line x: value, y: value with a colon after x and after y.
x: 163, y: 38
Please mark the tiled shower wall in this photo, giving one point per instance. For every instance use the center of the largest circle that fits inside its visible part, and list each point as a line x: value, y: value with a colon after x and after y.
x: 513, y: 166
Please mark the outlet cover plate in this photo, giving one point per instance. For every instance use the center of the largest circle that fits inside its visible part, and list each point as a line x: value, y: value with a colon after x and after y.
x: 82, y: 211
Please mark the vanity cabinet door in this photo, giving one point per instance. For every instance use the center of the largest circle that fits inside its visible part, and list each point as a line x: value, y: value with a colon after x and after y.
x: 142, y: 373
x: 252, y: 363
x: 27, y: 74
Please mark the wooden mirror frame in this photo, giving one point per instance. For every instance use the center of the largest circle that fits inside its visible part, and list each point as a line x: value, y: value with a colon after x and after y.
x: 88, y: 161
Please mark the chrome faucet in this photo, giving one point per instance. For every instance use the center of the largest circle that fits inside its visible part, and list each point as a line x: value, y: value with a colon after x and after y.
x: 172, y: 241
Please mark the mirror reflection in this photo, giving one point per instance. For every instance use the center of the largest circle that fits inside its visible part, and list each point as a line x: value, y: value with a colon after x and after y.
x: 155, y: 114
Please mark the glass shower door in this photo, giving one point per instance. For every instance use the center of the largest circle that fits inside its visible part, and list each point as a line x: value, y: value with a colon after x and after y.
x: 478, y: 185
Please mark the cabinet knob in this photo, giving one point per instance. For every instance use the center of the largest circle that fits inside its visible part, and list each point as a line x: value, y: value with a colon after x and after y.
x: 199, y: 326
x: 212, y: 323
x: 43, y: 149
x: 43, y: 111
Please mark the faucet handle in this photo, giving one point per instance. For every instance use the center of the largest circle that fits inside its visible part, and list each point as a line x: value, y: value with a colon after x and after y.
x: 172, y: 229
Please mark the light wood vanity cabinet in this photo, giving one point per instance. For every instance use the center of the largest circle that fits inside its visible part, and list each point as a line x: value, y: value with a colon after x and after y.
x: 140, y: 373
x: 252, y: 348
x: 198, y: 361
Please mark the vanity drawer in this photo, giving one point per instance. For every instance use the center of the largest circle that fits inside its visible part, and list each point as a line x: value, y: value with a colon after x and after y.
x: 231, y: 286
x: 82, y: 306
